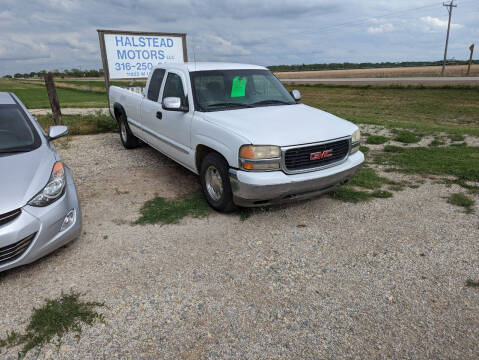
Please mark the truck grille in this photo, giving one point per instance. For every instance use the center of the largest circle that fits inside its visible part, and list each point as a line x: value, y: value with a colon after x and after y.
x: 300, y: 158
x: 9, y: 216
x: 14, y: 251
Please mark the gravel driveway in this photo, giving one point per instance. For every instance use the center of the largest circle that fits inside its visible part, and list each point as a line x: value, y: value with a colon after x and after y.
x: 319, y: 279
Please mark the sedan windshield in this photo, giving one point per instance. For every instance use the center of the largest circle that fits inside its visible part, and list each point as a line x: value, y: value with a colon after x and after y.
x: 16, y: 132
x: 236, y: 89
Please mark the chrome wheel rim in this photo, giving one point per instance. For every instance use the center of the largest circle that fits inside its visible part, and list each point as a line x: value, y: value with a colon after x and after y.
x: 123, y: 131
x: 214, y: 183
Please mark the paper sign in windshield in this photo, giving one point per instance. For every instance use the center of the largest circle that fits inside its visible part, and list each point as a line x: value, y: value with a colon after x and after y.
x: 239, y: 87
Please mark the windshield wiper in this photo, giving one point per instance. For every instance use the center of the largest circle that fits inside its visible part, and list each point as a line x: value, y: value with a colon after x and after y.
x: 271, y: 102
x: 229, y: 104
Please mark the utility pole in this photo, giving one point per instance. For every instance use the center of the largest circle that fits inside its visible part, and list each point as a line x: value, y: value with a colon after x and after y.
x: 449, y: 10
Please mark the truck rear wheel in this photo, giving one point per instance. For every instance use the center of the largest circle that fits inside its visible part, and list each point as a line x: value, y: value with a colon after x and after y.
x: 215, y: 182
x: 128, y: 140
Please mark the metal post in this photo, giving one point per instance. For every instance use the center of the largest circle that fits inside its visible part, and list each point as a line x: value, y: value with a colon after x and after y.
x: 449, y: 6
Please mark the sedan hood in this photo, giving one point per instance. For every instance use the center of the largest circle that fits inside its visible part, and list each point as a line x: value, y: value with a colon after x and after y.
x: 22, y: 176
x: 283, y: 125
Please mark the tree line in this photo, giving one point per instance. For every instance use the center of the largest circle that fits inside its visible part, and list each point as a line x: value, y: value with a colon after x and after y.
x: 350, y: 66
x: 57, y: 73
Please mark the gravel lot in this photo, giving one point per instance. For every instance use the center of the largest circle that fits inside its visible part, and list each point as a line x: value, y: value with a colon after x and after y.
x: 319, y: 279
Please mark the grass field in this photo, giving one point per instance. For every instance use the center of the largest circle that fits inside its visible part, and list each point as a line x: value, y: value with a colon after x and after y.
x: 34, y: 96
x: 450, y: 109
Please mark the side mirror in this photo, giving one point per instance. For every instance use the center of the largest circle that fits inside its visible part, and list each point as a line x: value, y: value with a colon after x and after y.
x: 173, y: 104
x: 54, y: 132
x: 295, y: 94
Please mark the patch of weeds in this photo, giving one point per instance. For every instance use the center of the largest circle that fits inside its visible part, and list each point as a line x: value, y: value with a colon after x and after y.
x: 406, y: 137
x: 347, y: 194
x: 460, y: 162
x: 245, y: 213
x: 377, y: 139
x: 462, y: 200
x: 393, y: 149
x: 456, y: 137
x: 436, y: 142
x: 413, y: 186
x: 382, y: 194
x: 397, y: 187
x: 54, y: 319
x: 105, y: 237
x: 364, y: 149
x: 472, y: 283
x: 161, y: 210
x: 368, y: 178
x: 459, y: 144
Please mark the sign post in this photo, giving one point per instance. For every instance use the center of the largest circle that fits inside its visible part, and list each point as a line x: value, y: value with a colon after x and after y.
x: 133, y: 54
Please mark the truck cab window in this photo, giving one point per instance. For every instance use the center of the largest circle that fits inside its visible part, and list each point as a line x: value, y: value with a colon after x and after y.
x: 155, y: 84
x: 174, y: 88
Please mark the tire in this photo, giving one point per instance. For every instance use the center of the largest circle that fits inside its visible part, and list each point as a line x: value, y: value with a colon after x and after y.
x: 213, y: 172
x: 127, y: 138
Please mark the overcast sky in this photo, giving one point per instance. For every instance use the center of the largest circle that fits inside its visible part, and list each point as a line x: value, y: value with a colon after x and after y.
x: 59, y: 34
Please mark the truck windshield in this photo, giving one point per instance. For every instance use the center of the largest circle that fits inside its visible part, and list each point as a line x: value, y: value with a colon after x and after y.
x: 235, y: 89
x: 16, y: 132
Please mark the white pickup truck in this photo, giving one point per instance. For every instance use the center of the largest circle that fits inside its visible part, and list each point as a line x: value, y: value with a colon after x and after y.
x: 249, y: 139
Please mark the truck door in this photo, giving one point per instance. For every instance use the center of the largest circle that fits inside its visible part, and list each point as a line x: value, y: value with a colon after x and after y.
x: 174, y: 126
x: 150, y: 107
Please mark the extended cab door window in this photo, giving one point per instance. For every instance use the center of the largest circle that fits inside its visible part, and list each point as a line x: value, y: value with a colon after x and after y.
x: 155, y: 84
x: 174, y: 88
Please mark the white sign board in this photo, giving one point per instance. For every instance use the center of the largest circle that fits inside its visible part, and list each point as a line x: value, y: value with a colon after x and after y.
x: 134, y: 55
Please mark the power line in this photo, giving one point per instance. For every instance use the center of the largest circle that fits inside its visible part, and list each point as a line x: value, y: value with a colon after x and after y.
x: 450, y: 6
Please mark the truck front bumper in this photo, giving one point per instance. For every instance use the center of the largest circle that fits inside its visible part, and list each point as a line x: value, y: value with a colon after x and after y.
x: 265, y: 188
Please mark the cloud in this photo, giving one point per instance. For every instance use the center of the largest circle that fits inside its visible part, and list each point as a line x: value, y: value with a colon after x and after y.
x: 381, y: 28
x: 438, y: 23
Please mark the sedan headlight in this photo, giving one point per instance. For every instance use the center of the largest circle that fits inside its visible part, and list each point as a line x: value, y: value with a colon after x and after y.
x: 260, y: 157
x: 54, y: 188
x: 355, y: 141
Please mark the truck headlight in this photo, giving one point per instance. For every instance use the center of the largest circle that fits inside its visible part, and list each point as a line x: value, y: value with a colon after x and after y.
x: 355, y: 141
x: 54, y: 188
x: 260, y: 157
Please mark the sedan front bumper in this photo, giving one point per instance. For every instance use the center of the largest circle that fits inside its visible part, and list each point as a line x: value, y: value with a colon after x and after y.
x: 252, y: 188
x: 37, y: 230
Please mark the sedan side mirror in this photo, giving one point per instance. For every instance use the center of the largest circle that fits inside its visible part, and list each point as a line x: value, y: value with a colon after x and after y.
x: 173, y: 104
x: 295, y: 94
x: 54, y: 132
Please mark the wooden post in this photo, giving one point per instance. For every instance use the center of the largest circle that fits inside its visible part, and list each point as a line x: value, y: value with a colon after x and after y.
x: 470, y: 59
x: 52, y: 96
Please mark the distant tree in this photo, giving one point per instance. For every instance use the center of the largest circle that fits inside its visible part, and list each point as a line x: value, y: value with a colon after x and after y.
x: 7, y: 76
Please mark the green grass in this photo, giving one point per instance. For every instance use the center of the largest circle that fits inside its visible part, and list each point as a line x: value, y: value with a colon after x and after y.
x: 472, y: 283
x: 161, y: 210
x: 437, y: 142
x: 34, y: 96
x: 406, y: 137
x: 368, y: 178
x: 461, y: 162
x: 53, y: 320
x: 462, y: 200
x: 364, y: 149
x: 349, y: 194
x: 377, y: 139
x: 428, y: 109
x: 456, y: 137
x: 393, y: 149
x: 82, y: 124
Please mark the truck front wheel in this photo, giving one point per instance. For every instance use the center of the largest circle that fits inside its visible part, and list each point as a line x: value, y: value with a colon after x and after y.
x: 128, y: 140
x: 215, y: 182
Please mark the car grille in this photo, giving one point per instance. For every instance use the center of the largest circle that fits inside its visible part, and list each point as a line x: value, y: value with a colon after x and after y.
x: 14, y: 251
x: 299, y: 158
x: 9, y: 216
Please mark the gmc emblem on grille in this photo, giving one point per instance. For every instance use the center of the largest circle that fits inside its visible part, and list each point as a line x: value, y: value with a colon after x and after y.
x: 321, y: 155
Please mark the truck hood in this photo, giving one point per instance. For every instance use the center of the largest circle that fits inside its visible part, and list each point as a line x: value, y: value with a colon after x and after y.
x: 283, y: 125
x: 22, y: 176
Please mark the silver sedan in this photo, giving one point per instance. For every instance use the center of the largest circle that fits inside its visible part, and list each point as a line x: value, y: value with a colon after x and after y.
x: 39, y: 207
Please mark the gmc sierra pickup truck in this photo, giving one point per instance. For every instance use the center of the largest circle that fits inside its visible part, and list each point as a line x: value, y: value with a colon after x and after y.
x: 249, y: 139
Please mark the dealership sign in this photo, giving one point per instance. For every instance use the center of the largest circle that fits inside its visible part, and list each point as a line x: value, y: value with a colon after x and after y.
x: 132, y: 55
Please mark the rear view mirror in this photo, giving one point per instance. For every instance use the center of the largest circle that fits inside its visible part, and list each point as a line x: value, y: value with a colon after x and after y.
x: 54, y: 132
x: 295, y: 94
x: 173, y: 104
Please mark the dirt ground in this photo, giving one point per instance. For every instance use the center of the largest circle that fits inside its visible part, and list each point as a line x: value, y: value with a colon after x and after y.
x: 419, y: 71
x: 320, y: 279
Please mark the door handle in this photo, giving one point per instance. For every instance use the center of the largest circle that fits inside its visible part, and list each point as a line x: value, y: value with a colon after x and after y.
x: 159, y: 115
